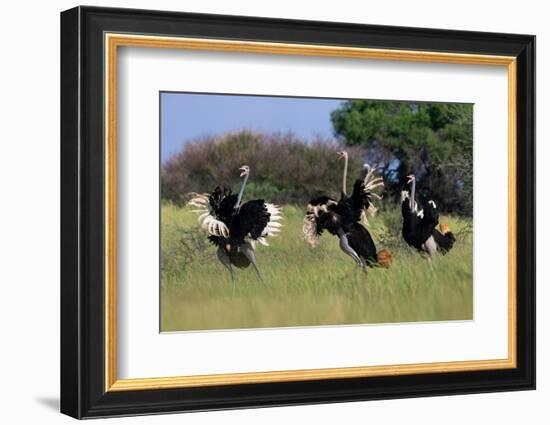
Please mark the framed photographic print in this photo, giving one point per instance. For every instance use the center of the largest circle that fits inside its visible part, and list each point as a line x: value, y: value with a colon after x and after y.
x: 261, y: 212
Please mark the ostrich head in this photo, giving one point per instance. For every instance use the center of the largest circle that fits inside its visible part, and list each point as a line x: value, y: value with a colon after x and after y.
x: 245, y: 170
x: 342, y: 154
x: 411, y: 178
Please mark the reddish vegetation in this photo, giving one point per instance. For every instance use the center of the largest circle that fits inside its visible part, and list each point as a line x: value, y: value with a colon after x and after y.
x: 284, y: 168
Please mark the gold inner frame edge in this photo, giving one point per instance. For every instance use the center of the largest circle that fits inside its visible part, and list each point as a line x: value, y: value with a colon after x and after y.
x: 112, y: 41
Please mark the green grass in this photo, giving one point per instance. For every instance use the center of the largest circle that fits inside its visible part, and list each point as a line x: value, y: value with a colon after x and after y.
x: 307, y: 286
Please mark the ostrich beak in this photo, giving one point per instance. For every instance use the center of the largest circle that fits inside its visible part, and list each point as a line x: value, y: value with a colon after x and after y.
x: 410, y: 178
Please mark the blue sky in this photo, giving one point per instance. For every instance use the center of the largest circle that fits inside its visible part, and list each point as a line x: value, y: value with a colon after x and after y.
x: 185, y: 116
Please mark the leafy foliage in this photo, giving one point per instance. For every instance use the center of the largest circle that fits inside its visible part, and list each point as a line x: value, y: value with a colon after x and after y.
x: 431, y: 140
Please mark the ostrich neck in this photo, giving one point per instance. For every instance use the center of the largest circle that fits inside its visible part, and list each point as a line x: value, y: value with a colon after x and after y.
x: 238, y: 204
x: 411, y: 200
x: 345, y: 177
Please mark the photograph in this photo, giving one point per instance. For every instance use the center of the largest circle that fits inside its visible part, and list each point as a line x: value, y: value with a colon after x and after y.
x: 302, y: 211
x: 285, y: 210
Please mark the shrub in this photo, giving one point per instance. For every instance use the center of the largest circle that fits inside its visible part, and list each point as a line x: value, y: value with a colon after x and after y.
x: 283, y: 168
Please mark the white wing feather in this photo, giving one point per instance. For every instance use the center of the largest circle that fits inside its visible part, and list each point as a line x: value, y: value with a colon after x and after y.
x: 370, y: 184
x: 272, y: 227
x: 206, y: 219
x: 309, y: 228
x: 274, y: 224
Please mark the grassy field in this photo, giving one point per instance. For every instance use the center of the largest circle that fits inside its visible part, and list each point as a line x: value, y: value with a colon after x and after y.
x: 309, y: 286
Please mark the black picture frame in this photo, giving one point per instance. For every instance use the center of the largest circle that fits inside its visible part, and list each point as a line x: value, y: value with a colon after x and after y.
x: 83, y: 392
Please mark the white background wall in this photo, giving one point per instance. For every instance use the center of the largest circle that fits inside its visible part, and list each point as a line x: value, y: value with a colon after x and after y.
x: 29, y: 213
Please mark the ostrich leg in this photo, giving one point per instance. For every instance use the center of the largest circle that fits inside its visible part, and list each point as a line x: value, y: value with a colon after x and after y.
x: 248, y: 252
x: 224, y: 259
x: 430, y: 246
x: 344, y: 245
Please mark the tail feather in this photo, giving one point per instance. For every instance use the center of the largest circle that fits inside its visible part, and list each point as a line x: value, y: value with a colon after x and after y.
x: 444, y: 238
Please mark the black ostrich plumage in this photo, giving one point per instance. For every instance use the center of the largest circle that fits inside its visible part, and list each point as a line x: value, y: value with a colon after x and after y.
x: 344, y: 216
x: 418, y: 228
x: 250, y: 219
x: 235, y: 227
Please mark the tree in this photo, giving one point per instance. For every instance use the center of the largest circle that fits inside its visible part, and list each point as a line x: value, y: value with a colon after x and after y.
x: 431, y: 140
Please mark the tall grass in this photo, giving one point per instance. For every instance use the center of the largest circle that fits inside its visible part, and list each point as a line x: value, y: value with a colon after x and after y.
x: 307, y: 286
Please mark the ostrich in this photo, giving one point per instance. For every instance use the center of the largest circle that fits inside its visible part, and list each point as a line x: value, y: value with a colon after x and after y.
x: 419, y: 226
x: 346, y: 219
x: 235, y: 228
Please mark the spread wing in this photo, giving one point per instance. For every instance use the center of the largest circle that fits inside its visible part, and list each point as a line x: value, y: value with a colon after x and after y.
x: 256, y: 221
x: 215, y: 210
x: 321, y: 214
x: 364, y: 191
x: 428, y: 221
x: 430, y: 216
